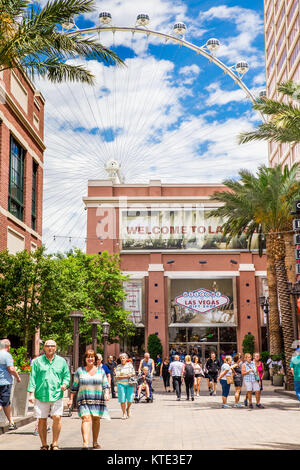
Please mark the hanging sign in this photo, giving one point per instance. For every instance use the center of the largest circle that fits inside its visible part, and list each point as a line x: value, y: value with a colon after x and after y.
x: 202, y: 300
x: 133, y: 301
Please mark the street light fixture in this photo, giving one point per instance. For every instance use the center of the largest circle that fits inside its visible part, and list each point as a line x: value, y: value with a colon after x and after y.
x: 94, y: 322
x: 233, y: 261
x: 75, y: 314
x: 202, y: 261
x: 264, y: 303
x: 170, y: 261
x: 105, y: 332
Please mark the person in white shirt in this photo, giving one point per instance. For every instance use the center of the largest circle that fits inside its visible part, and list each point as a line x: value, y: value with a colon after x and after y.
x: 176, y: 370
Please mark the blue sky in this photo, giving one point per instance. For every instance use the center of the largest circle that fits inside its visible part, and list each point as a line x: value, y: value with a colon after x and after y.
x: 170, y: 114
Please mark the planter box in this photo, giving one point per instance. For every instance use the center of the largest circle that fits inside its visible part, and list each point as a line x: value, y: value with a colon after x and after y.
x: 3, y: 418
x: 20, y: 397
x: 278, y: 380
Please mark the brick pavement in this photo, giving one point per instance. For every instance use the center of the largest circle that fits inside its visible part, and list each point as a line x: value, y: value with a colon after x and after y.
x: 168, y: 424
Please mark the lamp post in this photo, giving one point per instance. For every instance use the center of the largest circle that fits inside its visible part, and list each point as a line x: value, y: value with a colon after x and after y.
x: 294, y: 290
x: 94, y: 324
x: 105, y: 332
x: 264, y: 303
x: 75, y: 314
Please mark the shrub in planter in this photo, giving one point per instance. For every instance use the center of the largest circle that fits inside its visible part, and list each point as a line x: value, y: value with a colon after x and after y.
x: 154, y: 346
x: 248, y: 344
x: 20, y: 397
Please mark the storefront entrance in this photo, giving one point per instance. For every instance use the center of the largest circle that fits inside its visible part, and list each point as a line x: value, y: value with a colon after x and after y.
x: 221, y: 340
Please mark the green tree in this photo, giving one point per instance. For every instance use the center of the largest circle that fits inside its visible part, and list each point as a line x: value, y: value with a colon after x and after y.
x: 94, y: 285
x: 284, y: 118
x: 248, y: 344
x: 29, y: 290
x: 154, y: 346
x: 30, y: 40
x: 262, y: 203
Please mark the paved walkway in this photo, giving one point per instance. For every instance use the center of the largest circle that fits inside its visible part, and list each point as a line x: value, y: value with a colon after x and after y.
x: 172, y: 425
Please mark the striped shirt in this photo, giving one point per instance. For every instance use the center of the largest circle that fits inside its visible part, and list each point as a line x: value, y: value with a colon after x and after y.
x: 252, y: 376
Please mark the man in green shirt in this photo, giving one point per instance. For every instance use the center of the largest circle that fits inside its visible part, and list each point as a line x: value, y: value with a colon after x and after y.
x: 49, y: 378
x: 295, y: 367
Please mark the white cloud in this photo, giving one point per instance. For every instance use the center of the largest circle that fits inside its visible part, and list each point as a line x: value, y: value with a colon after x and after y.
x: 190, y: 73
x: 249, y: 25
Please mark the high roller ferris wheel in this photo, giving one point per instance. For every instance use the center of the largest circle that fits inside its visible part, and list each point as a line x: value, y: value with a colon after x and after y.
x: 111, y: 143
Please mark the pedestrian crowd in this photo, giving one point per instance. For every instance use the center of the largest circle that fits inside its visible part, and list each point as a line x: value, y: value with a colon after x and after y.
x: 93, y: 384
x: 235, y: 371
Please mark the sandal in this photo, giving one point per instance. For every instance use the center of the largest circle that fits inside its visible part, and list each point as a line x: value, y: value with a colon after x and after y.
x: 96, y: 445
x: 52, y: 447
x: 44, y: 448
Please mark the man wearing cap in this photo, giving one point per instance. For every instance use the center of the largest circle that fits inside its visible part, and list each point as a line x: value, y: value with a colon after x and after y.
x: 295, y: 367
x: 49, y: 378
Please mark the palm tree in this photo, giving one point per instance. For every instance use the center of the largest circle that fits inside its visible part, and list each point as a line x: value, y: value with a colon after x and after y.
x: 262, y: 203
x: 31, y: 41
x: 284, y: 123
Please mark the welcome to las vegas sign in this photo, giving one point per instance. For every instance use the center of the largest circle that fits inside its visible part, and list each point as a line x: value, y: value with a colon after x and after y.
x: 202, y: 300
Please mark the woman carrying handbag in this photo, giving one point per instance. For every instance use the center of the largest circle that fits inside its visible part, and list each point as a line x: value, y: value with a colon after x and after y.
x: 226, y: 379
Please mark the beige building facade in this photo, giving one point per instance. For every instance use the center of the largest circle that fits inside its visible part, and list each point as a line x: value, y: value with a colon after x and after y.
x: 282, y: 51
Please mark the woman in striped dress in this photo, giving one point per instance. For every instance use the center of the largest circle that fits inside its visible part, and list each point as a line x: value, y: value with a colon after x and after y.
x: 91, y: 384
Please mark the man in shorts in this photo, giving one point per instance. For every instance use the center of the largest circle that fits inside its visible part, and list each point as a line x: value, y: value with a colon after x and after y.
x: 49, y: 378
x: 7, y: 372
x: 213, y: 368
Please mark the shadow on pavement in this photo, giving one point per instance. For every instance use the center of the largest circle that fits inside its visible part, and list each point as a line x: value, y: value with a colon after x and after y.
x: 272, y: 446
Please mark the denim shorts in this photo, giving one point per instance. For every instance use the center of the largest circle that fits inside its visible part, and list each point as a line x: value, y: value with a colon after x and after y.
x: 225, y: 388
x: 5, y: 395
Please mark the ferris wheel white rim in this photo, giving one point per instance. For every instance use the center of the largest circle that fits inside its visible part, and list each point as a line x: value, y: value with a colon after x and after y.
x: 179, y: 40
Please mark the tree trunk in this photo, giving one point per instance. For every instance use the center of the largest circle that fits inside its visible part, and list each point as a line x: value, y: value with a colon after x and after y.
x: 285, y: 307
x: 274, y: 321
x: 290, y: 261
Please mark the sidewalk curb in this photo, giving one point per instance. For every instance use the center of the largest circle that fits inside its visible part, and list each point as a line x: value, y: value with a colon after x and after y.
x: 21, y: 421
x: 286, y: 393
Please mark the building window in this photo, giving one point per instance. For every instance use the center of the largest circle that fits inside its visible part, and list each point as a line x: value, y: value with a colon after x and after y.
x: 292, y: 11
x: 16, y: 179
x: 36, y: 121
x: 34, y: 195
x: 281, y: 60
x: 294, y: 55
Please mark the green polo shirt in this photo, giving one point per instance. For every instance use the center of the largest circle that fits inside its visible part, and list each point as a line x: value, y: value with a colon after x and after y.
x: 295, y: 364
x: 47, y: 377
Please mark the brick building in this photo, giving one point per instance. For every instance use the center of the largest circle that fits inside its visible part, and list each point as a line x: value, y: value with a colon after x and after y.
x: 21, y: 162
x: 186, y: 285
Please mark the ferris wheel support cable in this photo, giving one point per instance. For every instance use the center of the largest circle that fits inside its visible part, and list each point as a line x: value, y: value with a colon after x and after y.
x: 102, y: 125
x: 185, y: 127
x: 148, y: 105
x: 149, y: 99
x: 168, y: 37
x: 108, y: 114
x: 96, y: 122
x: 171, y: 92
x: 128, y: 107
x: 60, y: 141
x: 75, y: 136
x: 103, y: 139
x: 137, y: 123
x: 79, y: 107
